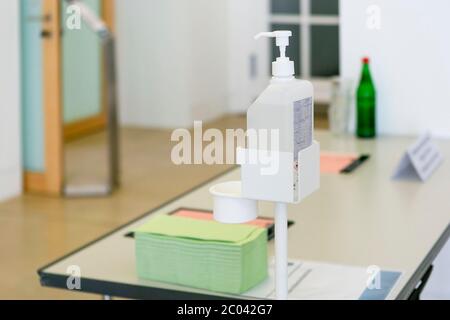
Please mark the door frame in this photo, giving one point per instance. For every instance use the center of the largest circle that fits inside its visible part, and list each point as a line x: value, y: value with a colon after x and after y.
x: 51, y: 181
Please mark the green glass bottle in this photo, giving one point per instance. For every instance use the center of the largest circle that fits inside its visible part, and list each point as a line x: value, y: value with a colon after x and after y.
x: 366, y: 104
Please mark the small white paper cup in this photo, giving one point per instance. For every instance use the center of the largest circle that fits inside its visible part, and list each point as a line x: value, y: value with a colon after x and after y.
x: 229, y: 206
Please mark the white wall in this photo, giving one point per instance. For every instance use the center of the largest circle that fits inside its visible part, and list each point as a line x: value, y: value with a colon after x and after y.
x: 153, y: 88
x: 208, y: 63
x: 172, y: 61
x: 410, y: 61
x: 246, y: 19
x: 186, y: 60
x: 10, y: 155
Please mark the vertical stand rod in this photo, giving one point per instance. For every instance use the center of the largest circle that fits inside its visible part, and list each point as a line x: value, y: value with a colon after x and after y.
x: 281, y: 251
x: 109, y: 52
x: 113, y: 132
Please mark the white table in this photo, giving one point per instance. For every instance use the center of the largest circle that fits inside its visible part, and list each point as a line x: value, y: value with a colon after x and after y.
x: 360, y: 219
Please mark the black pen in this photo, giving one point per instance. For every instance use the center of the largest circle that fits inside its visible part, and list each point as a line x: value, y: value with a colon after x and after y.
x: 355, y: 164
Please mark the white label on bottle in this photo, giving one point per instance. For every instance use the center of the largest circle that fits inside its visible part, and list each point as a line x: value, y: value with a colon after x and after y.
x: 303, y: 124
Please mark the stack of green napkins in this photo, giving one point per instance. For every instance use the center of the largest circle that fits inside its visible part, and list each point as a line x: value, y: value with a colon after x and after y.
x: 202, y: 254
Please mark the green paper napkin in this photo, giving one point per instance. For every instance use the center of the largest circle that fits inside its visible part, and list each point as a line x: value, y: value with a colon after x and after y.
x: 202, y: 254
x: 183, y: 227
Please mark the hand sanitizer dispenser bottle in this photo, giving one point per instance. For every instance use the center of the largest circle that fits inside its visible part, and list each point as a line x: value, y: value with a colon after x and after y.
x: 281, y: 163
x: 282, y: 119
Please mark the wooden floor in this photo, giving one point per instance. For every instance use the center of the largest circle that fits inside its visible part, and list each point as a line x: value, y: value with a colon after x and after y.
x: 36, y: 230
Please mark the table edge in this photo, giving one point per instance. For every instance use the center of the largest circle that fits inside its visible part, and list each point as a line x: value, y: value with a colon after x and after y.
x: 416, y: 277
x: 41, y: 270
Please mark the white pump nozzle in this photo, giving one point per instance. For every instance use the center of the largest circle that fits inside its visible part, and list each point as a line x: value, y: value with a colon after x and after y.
x: 282, y: 67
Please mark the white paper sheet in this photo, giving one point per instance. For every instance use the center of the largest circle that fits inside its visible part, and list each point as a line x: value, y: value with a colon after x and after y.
x: 320, y: 281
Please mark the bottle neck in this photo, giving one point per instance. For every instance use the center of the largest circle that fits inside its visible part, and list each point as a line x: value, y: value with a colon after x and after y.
x: 282, y: 79
x: 366, y: 77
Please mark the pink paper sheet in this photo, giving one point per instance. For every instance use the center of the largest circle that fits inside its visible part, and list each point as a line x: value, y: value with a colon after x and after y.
x: 334, y: 163
x: 200, y: 215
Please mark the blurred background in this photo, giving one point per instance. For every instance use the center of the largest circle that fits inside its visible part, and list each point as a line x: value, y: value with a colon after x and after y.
x: 179, y: 61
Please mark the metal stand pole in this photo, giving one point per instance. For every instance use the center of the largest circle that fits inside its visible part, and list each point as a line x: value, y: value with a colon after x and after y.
x: 281, y: 251
x: 113, y: 135
x: 109, y: 53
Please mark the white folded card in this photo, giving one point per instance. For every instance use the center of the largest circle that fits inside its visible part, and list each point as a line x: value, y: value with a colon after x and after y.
x: 420, y: 160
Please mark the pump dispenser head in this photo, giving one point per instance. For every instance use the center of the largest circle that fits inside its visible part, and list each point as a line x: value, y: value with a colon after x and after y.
x: 282, y: 67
